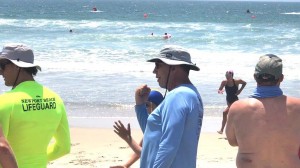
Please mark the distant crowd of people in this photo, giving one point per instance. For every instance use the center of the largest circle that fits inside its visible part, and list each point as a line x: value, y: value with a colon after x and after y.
x: 265, y: 126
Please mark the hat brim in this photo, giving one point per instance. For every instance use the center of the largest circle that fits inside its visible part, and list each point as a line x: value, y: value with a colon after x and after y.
x: 25, y: 64
x: 175, y: 62
x: 21, y: 63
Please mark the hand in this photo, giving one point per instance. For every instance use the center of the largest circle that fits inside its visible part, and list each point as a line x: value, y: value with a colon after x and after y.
x: 141, y: 94
x: 122, y: 131
x: 220, y: 91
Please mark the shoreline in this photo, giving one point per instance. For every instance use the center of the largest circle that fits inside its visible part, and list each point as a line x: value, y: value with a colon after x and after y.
x: 101, y: 148
x: 209, y: 124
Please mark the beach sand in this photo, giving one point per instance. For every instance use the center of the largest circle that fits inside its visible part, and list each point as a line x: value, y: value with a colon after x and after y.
x: 101, y: 148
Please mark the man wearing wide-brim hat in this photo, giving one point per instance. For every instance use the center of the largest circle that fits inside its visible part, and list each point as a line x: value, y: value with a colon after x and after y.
x: 31, y: 114
x: 173, y: 128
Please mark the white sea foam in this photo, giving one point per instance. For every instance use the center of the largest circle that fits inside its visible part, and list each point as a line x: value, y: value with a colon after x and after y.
x: 291, y: 13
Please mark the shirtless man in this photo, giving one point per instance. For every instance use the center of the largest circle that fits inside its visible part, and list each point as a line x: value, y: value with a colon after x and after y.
x: 266, y: 126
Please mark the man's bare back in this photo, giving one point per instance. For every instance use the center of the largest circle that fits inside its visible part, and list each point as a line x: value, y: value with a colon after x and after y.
x: 267, y: 132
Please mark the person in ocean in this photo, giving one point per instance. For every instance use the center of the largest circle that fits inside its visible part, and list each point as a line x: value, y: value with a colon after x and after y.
x: 33, y: 117
x: 166, y: 36
x: 154, y: 99
x: 232, y: 91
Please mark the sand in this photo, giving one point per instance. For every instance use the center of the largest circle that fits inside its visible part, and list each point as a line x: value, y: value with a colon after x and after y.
x: 102, y: 148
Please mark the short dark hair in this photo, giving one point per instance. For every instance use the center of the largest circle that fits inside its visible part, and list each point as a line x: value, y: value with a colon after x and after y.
x: 266, y: 79
x: 31, y: 70
x: 186, y: 68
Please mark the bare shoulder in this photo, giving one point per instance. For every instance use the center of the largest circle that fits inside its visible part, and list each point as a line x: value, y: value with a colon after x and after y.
x: 293, y: 103
x: 224, y: 82
x: 244, y: 105
x: 239, y: 81
x: 293, y: 100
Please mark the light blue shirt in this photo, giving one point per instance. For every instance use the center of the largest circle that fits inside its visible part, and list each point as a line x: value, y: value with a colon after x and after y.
x: 173, y: 129
x: 142, y: 115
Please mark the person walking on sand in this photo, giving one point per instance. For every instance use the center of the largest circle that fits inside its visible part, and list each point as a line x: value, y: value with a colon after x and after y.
x: 31, y: 114
x: 265, y: 127
x: 232, y: 91
x: 145, y: 107
x: 173, y: 129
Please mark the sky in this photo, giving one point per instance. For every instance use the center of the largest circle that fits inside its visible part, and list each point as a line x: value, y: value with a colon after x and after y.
x: 258, y: 0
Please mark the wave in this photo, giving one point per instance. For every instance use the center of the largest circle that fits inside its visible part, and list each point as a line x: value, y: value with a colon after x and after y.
x: 291, y: 13
x: 98, y: 11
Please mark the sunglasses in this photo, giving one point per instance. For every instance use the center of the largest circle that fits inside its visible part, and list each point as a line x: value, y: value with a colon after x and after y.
x: 3, y: 64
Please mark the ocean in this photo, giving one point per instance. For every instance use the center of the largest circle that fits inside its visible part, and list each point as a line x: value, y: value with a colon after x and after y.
x: 97, y: 67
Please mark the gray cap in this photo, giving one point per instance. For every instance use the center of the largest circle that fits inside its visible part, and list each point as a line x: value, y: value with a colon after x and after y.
x: 269, y: 64
x: 175, y: 55
x: 19, y: 54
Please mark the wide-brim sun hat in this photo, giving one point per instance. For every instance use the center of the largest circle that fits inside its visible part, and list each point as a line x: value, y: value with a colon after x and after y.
x: 175, y: 55
x: 19, y: 54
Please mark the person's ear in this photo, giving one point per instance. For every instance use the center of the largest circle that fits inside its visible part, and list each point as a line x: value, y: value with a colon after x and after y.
x: 281, y: 78
x: 254, y: 76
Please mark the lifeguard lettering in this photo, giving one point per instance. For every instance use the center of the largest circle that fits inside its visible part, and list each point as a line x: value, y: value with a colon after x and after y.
x: 38, y: 104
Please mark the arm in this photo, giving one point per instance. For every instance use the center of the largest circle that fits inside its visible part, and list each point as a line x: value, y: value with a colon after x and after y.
x: 243, y: 83
x: 223, y: 83
x: 230, y: 130
x: 133, y: 158
x: 7, y: 158
x: 141, y: 97
x: 125, y: 134
x: 142, y: 115
x: 62, y: 143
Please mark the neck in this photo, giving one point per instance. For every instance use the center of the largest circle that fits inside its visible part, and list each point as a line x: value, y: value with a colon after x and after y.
x: 266, y: 92
x: 23, y: 77
x: 174, y: 84
x: 177, y: 77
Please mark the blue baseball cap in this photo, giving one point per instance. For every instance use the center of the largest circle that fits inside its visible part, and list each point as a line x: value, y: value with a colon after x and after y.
x: 155, y: 97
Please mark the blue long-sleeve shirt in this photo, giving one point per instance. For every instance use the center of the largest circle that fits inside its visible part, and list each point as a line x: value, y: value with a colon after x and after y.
x: 173, y: 129
x: 142, y: 115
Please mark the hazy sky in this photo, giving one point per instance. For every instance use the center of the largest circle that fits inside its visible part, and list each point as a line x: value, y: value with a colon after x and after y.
x: 258, y: 0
